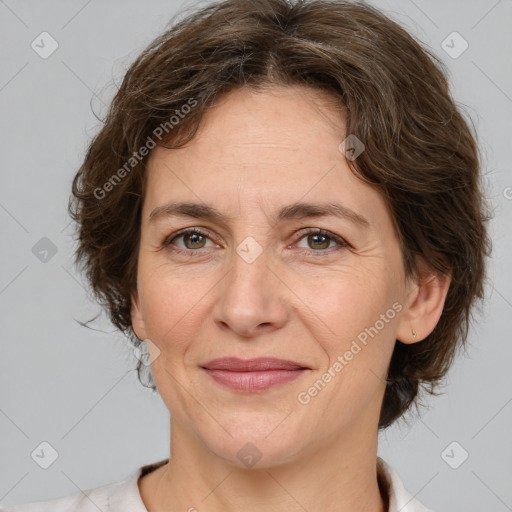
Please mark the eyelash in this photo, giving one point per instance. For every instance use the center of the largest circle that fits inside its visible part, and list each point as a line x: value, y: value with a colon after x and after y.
x: 342, y: 244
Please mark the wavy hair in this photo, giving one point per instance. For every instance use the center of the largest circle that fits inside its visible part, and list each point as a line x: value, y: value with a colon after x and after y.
x: 420, y: 152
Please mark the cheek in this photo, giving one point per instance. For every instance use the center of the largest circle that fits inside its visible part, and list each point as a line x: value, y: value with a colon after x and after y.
x: 347, y: 301
x: 171, y: 311
x: 355, y: 318
x: 171, y: 306
x: 358, y: 346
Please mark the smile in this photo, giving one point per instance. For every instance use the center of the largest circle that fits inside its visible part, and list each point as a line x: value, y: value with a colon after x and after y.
x: 253, y: 380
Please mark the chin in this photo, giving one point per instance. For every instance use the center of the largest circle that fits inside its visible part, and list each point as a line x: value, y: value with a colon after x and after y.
x: 246, y: 454
x: 255, y: 445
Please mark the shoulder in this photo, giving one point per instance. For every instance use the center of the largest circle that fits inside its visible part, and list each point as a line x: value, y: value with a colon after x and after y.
x: 399, y: 498
x: 122, y: 495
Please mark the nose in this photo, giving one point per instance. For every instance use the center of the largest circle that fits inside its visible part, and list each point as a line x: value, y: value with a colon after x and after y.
x: 251, y: 298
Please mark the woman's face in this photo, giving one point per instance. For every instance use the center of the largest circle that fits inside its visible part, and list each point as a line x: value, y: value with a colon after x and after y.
x: 258, y: 282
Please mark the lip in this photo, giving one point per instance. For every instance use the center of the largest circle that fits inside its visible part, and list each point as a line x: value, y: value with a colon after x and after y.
x: 250, y: 375
x: 234, y: 364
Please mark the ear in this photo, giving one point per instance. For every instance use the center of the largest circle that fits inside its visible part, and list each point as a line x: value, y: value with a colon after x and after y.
x: 425, y: 302
x: 136, y: 316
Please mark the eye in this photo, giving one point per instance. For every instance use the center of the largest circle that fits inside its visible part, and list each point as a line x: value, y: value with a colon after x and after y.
x: 193, y: 239
x: 319, y: 240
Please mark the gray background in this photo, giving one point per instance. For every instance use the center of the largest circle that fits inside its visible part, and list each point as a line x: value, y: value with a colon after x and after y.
x: 76, y: 389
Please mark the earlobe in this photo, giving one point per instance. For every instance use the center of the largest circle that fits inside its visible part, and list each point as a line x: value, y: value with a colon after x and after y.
x: 136, y: 316
x: 426, y: 303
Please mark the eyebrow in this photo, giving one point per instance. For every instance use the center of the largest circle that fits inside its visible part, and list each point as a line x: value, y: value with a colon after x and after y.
x: 299, y: 210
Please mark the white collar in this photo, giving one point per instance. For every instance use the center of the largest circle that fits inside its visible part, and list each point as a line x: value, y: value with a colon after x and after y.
x: 399, y: 499
x: 125, y: 495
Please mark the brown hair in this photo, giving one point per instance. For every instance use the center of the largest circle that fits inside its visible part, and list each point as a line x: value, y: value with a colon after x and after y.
x: 419, y: 151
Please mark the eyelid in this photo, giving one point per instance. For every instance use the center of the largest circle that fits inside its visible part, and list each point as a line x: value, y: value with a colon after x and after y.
x: 189, y: 231
x: 342, y: 242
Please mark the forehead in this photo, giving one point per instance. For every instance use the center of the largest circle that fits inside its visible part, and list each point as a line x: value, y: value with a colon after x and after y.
x: 254, y: 148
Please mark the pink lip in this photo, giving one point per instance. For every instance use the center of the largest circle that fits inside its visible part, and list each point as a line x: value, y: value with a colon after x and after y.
x: 253, y: 381
x: 234, y: 364
x: 253, y: 374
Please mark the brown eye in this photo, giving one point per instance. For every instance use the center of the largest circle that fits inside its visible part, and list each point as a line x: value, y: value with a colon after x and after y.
x: 192, y: 240
x: 319, y: 241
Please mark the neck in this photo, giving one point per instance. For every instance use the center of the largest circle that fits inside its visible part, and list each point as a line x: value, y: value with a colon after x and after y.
x: 339, y: 476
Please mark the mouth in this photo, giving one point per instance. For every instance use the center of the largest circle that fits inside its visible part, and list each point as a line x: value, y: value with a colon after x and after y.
x: 253, y: 374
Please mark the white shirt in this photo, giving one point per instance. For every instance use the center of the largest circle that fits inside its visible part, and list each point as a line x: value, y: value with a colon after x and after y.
x: 124, y: 496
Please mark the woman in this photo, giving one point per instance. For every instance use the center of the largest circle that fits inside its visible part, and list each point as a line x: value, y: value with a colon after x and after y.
x: 284, y: 204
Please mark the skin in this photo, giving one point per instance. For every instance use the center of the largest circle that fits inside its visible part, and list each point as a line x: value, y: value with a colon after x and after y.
x: 303, y: 298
